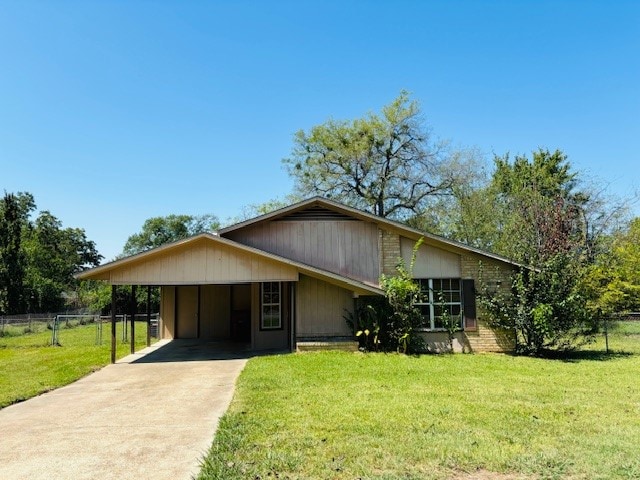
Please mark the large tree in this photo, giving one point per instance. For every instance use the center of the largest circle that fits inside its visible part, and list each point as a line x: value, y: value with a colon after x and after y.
x: 157, y: 231
x: 388, y: 163
x: 614, y: 278
x: 14, y: 211
x: 38, y: 258
x: 540, y: 221
x: 54, y: 255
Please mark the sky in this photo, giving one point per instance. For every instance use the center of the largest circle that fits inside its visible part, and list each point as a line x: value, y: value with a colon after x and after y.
x: 112, y: 112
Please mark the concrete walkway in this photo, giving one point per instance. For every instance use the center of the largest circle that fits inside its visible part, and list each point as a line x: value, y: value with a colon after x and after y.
x: 152, y: 415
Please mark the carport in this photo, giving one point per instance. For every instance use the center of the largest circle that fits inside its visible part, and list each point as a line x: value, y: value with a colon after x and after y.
x: 211, y: 289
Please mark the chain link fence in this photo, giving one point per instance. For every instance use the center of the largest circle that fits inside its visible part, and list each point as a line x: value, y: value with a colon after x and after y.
x: 87, y: 328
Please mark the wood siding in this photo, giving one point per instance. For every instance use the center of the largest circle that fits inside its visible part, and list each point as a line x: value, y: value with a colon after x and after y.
x: 187, y: 312
x: 215, y: 317
x: 167, y: 312
x: 270, y: 339
x: 431, y: 262
x: 345, y: 247
x: 202, y: 262
x: 321, y: 308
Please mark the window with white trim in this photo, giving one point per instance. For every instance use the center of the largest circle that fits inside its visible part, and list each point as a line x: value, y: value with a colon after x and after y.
x: 270, y: 317
x: 439, y: 299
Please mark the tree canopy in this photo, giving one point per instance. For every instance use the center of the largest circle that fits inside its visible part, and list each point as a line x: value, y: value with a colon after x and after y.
x: 388, y: 164
x: 38, y: 258
x: 157, y: 231
x: 614, y: 278
x: 539, y: 221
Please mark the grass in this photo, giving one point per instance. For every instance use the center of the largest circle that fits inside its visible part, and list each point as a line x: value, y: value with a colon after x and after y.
x: 334, y: 415
x: 30, y: 366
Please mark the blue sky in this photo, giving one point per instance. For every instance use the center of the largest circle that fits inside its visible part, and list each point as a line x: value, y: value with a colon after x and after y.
x: 115, y: 111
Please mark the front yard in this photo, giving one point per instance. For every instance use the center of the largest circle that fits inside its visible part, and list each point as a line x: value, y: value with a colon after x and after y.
x: 29, y: 365
x: 376, y: 416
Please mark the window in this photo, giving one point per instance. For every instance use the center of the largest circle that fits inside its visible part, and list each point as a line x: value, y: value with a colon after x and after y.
x: 440, y: 299
x: 270, y: 315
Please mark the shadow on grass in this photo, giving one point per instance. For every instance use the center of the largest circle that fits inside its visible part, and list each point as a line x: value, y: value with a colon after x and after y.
x: 587, y: 355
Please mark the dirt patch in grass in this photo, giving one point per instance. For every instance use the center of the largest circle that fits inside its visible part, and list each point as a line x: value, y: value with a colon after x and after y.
x: 487, y: 475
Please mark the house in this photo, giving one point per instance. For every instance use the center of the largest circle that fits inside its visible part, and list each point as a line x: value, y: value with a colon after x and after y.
x: 285, y: 280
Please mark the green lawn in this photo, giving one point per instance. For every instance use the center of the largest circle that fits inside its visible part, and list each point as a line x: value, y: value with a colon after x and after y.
x: 30, y: 366
x: 335, y: 415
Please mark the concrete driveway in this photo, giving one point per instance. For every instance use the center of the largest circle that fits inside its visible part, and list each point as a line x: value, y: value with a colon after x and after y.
x: 152, y: 415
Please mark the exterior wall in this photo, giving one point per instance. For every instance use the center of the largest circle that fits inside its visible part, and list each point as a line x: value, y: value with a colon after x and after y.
x: 438, y: 342
x: 270, y: 339
x: 431, y: 262
x: 321, y: 308
x: 390, y: 253
x: 204, y: 262
x: 214, y: 312
x: 186, y: 312
x: 345, y: 247
x: 496, y: 274
x: 167, y: 312
x: 215, y: 315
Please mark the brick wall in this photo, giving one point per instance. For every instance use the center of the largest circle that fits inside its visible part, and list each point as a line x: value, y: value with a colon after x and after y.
x: 496, y: 275
x: 389, y: 252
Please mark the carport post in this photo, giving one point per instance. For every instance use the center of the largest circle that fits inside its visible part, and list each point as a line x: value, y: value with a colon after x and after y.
x: 133, y: 319
x: 148, y: 315
x: 113, y: 324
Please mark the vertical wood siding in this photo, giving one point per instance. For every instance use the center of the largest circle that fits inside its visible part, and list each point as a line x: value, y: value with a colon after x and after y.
x: 270, y: 339
x: 345, y: 247
x: 215, y: 316
x: 167, y: 312
x: 321, y: 308
x: 200, y: 263
x: 187, y: 321
x: 431, y: 262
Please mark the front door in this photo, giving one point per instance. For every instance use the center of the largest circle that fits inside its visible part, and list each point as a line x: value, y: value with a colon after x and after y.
x: 187, y: 318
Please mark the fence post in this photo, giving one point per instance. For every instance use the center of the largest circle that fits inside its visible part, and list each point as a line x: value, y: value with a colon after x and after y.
x: 54, y: 332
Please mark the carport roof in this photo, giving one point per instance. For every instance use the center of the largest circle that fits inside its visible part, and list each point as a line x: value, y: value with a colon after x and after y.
x: 142, y: 268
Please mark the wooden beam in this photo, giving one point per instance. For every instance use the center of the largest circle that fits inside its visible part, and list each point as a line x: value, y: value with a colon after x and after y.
x: 113, y: 323
x: 132, y: 341
x: 198, y: 312
x: 148, y: 315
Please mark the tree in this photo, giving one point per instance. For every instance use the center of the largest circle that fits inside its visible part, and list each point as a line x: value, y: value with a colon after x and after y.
x: 387, y: 164
x: 54, y: 254
x: 157, y: 231
x: 13, y: 212
x: 614, y: 278
x: 540, y: 220
x: 38, y: 258
x: 257, y: 209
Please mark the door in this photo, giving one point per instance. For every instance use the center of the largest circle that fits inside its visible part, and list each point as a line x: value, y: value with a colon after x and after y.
x: 187, y: 317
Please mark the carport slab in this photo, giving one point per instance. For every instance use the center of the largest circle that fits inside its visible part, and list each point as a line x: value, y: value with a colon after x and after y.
x: 152, y: 415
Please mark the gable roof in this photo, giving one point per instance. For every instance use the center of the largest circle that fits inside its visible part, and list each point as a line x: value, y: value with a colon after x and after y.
x: 125, y: 271
x: 316, y: 204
